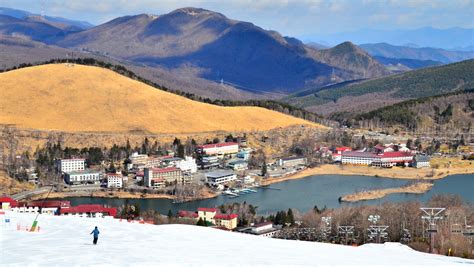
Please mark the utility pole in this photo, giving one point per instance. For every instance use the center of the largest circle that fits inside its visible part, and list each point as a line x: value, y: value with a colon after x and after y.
x: 431, y: 216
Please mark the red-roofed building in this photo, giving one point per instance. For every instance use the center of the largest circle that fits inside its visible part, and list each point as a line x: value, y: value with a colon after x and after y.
x: 219, y: 149
x: 337, y: 154
x: 229, y: 221
x: 50, y: 207
x: 386, y: 159
x: 89, y: 210
x: 7, y: 203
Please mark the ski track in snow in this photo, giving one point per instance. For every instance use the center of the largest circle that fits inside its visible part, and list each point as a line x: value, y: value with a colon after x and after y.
x: 66, y: 241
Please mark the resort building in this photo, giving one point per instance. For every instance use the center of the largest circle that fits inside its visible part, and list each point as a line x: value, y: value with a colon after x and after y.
x: 82, y: 177
x: 220, y: 149
x: 69, y: 165
x: 244, y: 154
x: 337, y: 154
x: 138, y: 160
x: 265, y: 229
x: 387, y: 159
x: 228, y: 221
x: 114, y: 180
x: 220, y: 177
x: 90, y: 210
x: 210, y: 215
x: 421, y: 161
x: 292, y: 161
x: 158, y: 177
x: 187, y: 165
x: 238, y: 165
x: 209, y: 162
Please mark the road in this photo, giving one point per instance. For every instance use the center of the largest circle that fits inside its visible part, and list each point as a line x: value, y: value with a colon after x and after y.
x: 26, y: 194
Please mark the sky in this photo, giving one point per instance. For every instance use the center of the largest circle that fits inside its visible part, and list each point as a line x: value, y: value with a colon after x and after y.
x: 299, y: 18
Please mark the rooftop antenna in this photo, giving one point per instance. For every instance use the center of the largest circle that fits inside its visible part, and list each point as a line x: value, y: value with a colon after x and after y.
x: 431, y: 216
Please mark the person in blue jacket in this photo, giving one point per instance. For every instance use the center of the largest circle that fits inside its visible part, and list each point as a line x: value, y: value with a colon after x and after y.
x: 96, y: 235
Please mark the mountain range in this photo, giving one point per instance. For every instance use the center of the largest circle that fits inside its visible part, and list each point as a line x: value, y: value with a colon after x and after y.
x: 418, y: 53
x: 62, y: 23
x: 211, y: 47
x: 421, y: 37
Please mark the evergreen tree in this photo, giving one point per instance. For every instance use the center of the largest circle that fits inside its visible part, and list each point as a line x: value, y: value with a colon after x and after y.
x: 290, y: 217
x: 170, y: 214
x: 200, y: 222
x: 180, y: 151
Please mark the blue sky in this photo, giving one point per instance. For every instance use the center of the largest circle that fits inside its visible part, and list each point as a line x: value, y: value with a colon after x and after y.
x: 299, y: 18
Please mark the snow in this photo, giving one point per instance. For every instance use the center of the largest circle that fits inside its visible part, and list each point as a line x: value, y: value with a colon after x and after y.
x: 66, y: 241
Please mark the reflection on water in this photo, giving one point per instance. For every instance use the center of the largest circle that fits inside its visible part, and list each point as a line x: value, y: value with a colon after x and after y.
x: 304, y: 194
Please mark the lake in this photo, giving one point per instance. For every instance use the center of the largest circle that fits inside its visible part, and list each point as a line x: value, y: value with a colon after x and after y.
x: 303, y: 194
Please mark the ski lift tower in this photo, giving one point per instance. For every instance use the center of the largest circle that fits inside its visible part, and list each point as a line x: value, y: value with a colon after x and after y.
x: 346, y: 230
x: 376, y: 231
x: 431, y: 216
x: 326, y: 229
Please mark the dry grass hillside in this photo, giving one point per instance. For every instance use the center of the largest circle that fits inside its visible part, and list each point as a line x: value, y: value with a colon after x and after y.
x: 91, y: 99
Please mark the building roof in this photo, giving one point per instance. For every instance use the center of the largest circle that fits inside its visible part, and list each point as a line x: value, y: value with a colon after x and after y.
x: 218, y: 145
x: 360, y: 154
x: 343, y: 148
x: 293, y: 158
x: 219, y: 173
x: 396, y: 154
x: 226, y: 216
x: 7, y: 199
x: 237, y: 162
x: 48, y: 204
x: 208, y: 209
x: 262, y: 224
x: 74, y: 159
x: 422, y: 158
x: 88, y: 171
x: 89, y: 208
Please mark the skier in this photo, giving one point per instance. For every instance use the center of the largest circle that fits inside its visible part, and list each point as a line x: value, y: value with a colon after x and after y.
x: 96, y: 235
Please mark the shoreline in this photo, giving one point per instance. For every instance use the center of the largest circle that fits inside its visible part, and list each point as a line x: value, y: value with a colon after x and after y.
x: 117, y: 195
x: 416, y: 188
x: 407, y: 173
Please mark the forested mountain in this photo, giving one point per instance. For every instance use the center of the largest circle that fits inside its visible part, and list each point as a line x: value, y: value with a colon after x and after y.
x: 221, y: 49
x: 376, y: 93
x: 446, y: 112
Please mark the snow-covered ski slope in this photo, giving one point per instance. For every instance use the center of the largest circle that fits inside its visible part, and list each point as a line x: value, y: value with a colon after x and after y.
x: 66, y: 241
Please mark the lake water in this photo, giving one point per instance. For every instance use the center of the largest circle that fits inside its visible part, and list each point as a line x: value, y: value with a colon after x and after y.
x: 304, y: 194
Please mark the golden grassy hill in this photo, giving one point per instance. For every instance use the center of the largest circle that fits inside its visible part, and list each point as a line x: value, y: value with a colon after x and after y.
x: 92, y: 99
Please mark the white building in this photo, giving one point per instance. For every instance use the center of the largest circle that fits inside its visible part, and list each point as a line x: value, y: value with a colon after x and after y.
x: 68, y: 165
x: 138, y: 159
x: 421, y: 161
x: 292, y: 161
x: 114, y: 180
x: 238, y: 165
x: 219, y: 149
x: 220, y: 177
x: 265, y: 229
x: 82, y: 177
x: 187, y: 165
